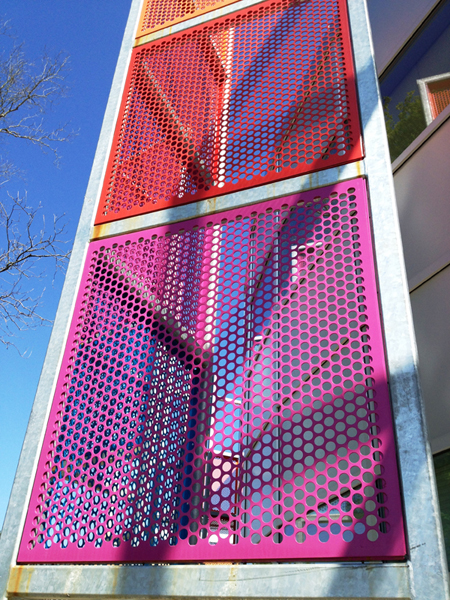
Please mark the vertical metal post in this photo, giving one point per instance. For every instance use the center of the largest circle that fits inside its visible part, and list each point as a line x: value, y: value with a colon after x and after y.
x: 428, y: 566
x: 24, y: 477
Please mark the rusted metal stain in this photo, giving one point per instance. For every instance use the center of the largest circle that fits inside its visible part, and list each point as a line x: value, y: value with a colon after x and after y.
x: 100, y: 231
x: 19, y: 580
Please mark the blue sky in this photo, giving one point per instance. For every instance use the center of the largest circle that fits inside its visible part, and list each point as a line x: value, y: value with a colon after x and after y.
x: 90, y: 33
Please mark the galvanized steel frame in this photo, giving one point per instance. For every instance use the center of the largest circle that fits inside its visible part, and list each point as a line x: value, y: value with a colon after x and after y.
x: 429, y: 575
x: 424, y: 576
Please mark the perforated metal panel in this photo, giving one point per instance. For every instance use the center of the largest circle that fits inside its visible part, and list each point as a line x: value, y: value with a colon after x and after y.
x: 157, y: 14
x: 439, y: 96
x: 255, y: 97
x: 223, y: 395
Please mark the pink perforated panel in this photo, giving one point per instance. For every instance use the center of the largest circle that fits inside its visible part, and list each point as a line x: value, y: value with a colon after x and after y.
x: 261, y: 95
x: 223, y: 395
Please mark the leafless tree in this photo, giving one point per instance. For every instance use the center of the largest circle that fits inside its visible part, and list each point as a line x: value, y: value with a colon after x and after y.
x: 27, y: 241
x: 27, y: 91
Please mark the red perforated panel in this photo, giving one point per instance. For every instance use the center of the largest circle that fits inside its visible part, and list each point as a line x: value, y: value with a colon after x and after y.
x: 157, y: 14
x: 223, y: 395
x: 439, y: 96
x: 262, y: 95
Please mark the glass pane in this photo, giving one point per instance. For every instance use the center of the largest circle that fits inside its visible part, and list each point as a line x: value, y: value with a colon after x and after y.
x: 425, y: 56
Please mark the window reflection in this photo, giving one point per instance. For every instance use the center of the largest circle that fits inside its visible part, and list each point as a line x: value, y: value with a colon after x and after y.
x: 411, y: 86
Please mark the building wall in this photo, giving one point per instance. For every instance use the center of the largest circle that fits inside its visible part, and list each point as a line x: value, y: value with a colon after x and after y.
x: 431, y: 307
x: 422, y: 189
x: 393, y: 23
x: 422, y: 186
x: 422, y: 183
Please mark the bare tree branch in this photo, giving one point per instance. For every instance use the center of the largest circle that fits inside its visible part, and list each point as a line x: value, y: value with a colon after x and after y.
x: 25, y: 242
x: 27, y: 92
x: 8, y: 170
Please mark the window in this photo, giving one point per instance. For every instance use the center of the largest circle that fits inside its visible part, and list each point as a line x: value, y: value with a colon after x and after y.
x: 416, y: 86
x: 435, y: 95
